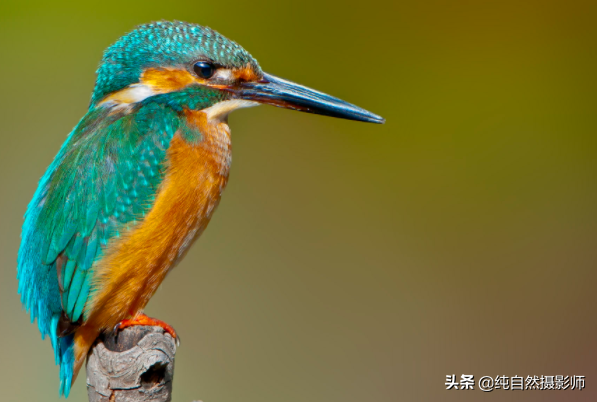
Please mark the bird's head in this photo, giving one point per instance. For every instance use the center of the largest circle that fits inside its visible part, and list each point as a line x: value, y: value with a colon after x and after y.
x: 192, y: 67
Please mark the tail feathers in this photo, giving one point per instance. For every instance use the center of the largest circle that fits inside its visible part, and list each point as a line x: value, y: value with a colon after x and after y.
x: 64, y: 354
x: 66, y: 357
x: 71, y: 352
x: 64, y: 348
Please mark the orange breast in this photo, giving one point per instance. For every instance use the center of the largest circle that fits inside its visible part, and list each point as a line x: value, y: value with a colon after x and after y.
x: 135, y: 264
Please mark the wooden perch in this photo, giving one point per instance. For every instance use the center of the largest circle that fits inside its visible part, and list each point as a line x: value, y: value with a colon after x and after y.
x: 136, y: 364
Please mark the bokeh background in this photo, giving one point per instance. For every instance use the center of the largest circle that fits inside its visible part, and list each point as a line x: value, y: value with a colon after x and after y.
x: 349, y: 261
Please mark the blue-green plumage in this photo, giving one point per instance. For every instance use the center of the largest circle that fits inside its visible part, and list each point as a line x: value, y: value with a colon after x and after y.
x: 107, y: 175
x: 104, y: 178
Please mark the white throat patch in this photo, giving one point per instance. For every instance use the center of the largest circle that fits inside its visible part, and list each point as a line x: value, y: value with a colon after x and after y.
x: 221, y: 110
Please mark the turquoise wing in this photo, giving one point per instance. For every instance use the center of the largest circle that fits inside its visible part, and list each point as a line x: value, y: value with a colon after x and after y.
x: 102, y: 181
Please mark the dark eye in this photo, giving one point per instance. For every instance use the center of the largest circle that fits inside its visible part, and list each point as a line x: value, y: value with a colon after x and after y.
x: 204, y: 69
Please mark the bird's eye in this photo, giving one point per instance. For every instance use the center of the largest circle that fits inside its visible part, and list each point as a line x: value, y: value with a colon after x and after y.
x: 204, y: 70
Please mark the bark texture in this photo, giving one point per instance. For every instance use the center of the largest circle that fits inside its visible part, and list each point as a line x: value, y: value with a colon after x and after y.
x: 136, y: 364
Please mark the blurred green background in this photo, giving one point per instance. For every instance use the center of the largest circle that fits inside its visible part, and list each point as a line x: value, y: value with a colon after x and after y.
x: 348, y: 261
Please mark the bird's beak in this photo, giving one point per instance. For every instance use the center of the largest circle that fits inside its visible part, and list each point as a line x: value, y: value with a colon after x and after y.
x: 278, y: 92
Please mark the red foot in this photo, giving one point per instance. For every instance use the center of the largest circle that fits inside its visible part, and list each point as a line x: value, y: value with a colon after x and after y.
x: 142, y: 319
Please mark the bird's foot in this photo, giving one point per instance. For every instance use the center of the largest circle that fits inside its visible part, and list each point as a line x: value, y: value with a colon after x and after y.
x: 142, y: 319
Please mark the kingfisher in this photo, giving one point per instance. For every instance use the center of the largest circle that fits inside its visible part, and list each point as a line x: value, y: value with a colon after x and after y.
x: 138, y: 179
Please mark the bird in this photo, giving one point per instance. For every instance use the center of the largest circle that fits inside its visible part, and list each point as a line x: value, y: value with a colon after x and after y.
x: 138, y: 179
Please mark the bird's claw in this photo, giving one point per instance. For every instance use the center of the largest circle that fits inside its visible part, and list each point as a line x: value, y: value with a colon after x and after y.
x: 142, y: 319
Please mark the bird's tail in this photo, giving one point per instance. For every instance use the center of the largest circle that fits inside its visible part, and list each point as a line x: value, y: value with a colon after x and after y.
x: 65, y: 357
x: 70, y: 353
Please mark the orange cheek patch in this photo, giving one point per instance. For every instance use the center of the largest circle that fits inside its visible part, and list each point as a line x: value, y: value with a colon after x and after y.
x: 164, y: 80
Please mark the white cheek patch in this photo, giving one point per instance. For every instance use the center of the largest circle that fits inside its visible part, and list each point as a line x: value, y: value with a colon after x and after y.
x: 131, y: 94
x: 139, y: 92
x: 220, y: 110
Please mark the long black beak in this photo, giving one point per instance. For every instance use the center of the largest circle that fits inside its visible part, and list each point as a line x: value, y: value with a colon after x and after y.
x: 276, y: 91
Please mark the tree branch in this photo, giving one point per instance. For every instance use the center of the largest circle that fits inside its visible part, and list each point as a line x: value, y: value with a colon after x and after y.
x: 136, y: 364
